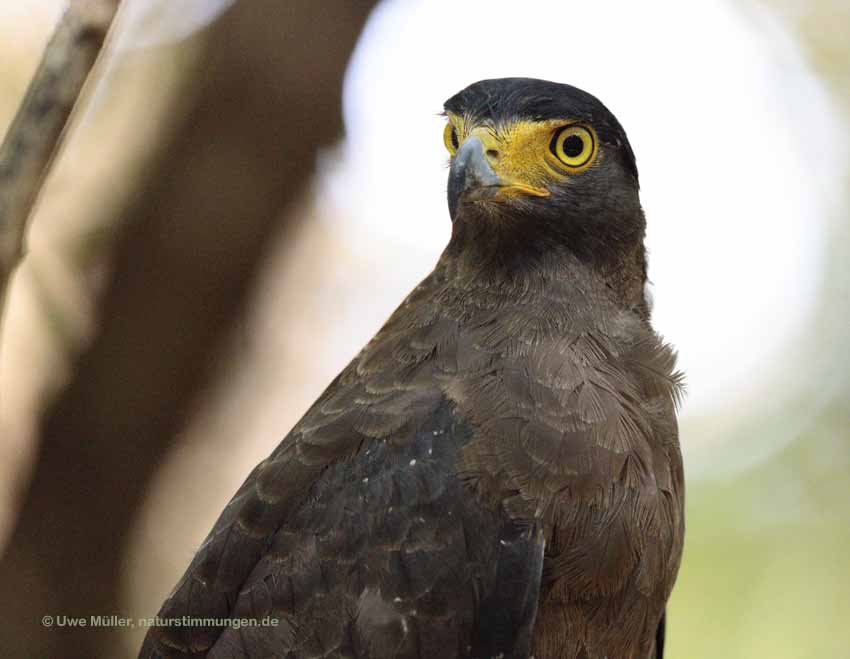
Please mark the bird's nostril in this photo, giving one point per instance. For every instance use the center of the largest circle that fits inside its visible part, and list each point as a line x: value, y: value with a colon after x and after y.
x: 492, y: 154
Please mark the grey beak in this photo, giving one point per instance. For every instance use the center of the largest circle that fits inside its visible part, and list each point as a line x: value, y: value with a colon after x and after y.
x: 470, y: 169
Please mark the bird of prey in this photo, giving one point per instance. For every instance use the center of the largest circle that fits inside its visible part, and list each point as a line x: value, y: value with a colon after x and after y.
x: 497, y: 474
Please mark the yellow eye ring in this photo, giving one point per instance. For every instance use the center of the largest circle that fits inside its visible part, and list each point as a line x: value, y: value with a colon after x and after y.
x: 450, y: 138
x: 574, y: 146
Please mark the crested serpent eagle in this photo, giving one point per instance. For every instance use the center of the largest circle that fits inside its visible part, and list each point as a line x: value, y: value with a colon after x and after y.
x: 497, y: 473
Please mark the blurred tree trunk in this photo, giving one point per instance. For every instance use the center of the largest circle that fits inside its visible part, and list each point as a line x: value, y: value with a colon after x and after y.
x: 266, y: 97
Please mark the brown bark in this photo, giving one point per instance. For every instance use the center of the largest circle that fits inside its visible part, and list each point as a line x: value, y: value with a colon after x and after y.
x: 36, y: 132
x: 268, y: 95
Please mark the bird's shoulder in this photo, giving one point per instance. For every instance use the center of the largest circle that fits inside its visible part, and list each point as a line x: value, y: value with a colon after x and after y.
x: 383, y: 398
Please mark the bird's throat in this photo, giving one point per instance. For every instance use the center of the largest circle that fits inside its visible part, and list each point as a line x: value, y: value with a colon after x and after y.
x: 502, y: 251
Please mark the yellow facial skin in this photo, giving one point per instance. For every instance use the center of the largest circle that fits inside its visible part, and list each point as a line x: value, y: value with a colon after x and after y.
x: 528, y: 156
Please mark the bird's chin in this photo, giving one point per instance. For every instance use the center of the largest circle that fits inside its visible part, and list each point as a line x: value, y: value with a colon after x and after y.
x: 486, y: 194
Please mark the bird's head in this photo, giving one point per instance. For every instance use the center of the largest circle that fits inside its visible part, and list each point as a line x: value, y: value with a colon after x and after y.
x: 543, y: 164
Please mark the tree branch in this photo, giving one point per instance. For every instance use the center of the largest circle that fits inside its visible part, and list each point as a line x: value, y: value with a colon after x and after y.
x: 36, y: 132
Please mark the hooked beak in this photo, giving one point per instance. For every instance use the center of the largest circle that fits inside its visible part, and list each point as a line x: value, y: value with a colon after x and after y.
x: 473, y: 179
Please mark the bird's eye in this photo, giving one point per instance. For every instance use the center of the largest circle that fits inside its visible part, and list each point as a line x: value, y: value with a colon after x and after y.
x: 573, y: 145
x: 450, y: 138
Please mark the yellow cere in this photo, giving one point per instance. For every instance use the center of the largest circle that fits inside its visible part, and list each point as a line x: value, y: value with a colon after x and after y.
x: 528, y: 155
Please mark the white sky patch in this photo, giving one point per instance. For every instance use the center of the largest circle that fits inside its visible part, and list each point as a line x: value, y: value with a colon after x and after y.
x: 736, y: 143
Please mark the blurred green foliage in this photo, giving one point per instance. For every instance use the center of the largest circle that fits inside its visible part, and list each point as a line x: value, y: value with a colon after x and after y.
x: 766, y: 570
